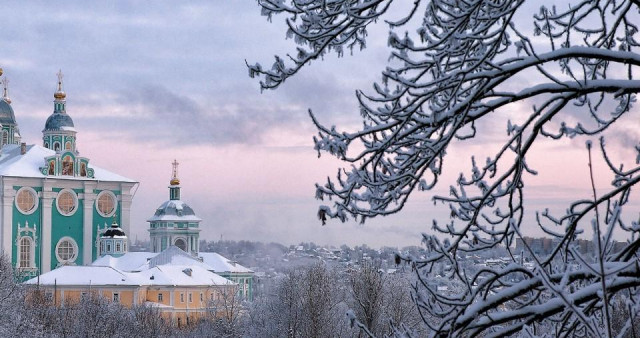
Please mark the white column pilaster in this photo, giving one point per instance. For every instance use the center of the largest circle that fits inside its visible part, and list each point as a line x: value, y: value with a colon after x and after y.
x: 125, y: 211
x: 87, y: 223
x: 47, y: 204
x: 8, y: 194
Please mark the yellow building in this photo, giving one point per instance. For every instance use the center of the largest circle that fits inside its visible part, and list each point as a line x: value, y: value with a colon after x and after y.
x: 181, y: 287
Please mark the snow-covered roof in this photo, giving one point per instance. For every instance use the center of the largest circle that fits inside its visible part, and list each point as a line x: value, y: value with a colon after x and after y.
x: 175, y: 256
x: 84, y: 275
x: 139, y: 261
x: 222, y: 264
x: 13, y: 163
x: 181, y: 275
x: 164, y: 275
x: 131, y: 261
x: 172, y: 267
x: 174, y: 210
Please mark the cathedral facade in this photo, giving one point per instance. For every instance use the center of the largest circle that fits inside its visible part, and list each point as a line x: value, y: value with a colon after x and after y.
x: 55, y: 204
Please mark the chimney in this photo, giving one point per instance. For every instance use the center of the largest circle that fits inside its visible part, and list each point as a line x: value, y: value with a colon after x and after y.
x: 23, y: 148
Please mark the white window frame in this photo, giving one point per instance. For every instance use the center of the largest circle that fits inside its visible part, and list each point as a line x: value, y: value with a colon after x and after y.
x: 115, y: 203
x: 32, y: 251
x: 74, y: 245
x: 116, y: 297
x: 75, y: 202
x: 34, y: 194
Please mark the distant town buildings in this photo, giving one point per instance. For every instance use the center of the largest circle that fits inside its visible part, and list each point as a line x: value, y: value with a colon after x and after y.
x: 544, y: 246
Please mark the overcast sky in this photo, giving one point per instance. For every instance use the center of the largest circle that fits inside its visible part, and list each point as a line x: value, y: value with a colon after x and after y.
x: 150, y: 82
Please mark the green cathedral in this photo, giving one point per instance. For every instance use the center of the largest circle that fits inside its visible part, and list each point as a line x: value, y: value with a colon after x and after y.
x: 55, y: 204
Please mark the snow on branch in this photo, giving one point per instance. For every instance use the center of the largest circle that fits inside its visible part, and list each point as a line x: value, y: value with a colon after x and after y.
x: 455, y: 64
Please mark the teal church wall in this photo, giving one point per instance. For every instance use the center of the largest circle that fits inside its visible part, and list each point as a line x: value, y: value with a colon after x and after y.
x: 67, y: 226
x: 20, y: 218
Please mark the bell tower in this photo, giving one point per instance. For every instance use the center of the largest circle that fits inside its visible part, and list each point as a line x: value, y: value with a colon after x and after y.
x: 174, y: 222
x: 59, y: 132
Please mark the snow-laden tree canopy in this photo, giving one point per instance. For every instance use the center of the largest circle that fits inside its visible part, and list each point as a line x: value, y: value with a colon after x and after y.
x: 455, y: 65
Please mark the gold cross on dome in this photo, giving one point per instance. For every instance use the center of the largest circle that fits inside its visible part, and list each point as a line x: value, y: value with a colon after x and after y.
x: 175, y: 169
x: 60, y: 76
x: 5, y: 85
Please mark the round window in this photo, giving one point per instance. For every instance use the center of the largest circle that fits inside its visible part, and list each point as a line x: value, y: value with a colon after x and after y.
x: 26, y: 200
x: 67, y: 202
x: 106, y: 204
x: 66, y: 250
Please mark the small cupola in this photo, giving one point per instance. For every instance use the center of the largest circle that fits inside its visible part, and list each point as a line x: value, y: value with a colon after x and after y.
x: 113, y: 241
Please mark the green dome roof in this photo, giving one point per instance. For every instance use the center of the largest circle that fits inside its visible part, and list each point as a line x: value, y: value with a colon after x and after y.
x: 59, y: 121
x: 6, y: 113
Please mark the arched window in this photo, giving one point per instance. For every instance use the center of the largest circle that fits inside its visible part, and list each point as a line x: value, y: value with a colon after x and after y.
x: 56, y: 146
x: 118, y: 247
x: 67, y: 166
x: 67, y: 146
x: 26, y: 254
x: 180, y: 243
x: 52, y: 168
x: 83, y: 169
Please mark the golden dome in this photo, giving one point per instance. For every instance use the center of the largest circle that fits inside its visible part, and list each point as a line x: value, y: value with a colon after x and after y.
x: 174, y: 175
x: 0, y: 71
x: 59, y: 94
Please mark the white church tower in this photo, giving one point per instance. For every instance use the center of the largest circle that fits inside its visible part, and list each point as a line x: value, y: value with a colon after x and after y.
x: 174, y: 222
